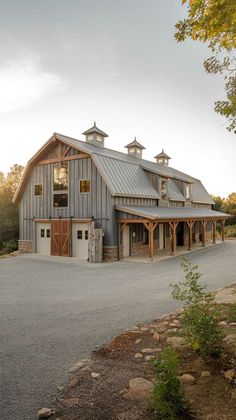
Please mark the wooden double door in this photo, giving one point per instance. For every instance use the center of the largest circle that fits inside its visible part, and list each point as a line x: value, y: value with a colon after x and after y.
x: 61, y: 237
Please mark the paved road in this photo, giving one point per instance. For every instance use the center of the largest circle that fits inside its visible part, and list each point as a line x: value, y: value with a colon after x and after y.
x: 55, y: 310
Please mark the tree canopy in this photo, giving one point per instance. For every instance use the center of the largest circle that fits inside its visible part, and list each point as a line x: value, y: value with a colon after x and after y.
x: 214, y: 22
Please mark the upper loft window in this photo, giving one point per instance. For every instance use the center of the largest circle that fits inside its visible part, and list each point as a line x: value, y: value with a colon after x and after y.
x: 187, y: 192
x: 60, y: 177
x: 38, y: 190
x: 163, y: 189
x: 85, y: 185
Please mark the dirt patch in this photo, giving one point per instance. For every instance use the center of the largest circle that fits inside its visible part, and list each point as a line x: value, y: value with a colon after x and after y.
x: 99, y: 388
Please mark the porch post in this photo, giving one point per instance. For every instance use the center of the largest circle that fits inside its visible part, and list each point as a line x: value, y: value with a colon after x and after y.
x: 173, y: 226
x: 223, y: 230
x: 203, y: 222
x: 213, y: 231
x: 190, y: 225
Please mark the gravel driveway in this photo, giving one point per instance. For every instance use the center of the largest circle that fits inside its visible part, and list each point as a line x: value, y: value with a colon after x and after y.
x: 55, y: 310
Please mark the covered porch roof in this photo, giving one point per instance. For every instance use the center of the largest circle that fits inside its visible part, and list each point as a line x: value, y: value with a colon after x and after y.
x: 170, y: 213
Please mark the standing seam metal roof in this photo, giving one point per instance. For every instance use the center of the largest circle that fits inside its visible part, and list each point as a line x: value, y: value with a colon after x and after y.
x: 174, y: 193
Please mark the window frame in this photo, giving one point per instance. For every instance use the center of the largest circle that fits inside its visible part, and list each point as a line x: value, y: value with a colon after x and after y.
x: 163, y: 180
x: 82, y: 180
x: 35, y: 185
x: 61, y: 192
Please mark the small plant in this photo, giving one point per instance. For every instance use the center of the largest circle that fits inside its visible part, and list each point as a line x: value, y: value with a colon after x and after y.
x: 9, y: 246
x: 231, y: 316
x: 167, y: 399
x: 200, y: 319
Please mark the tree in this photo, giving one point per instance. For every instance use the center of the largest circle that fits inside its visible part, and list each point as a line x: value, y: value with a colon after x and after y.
x: 230, y: 204
x: 13, y: 177
x: 214, y: 22
x: 219, y: 203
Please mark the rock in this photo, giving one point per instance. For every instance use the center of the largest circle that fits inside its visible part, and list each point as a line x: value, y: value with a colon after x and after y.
x: 156, y: 336
x: 44, y: 413
x: 138, y: 341
x: 229, y: 343
x: 176, y: 322
x: 74, y: 369
x: 79, y: 364
x: 187, y: 379
x: 95, y: 375
x: 144, y: 329
x: 145, y: 351
x: 60, y: 388
x: 69, y: 402
x: 140, y: 387
x: 162, y: 326
x: 133, y: 329
x: 232, y: 324
x: 223, y: 324
x: 205, y: 373
x: 73, y: 383
x: 149, y: 357
x: 138, y: 356
x: 177, y: 343
x: 229, y: 375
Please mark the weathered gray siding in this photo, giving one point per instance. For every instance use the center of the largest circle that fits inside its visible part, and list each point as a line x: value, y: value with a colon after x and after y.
x: 97, y: 204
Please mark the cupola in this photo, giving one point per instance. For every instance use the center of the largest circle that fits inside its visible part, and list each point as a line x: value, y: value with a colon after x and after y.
x: 163, y: 158
x: 135, y: 149
x: 95, y: 136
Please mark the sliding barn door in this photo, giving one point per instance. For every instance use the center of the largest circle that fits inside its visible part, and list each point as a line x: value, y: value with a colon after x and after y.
x: 61, y: 237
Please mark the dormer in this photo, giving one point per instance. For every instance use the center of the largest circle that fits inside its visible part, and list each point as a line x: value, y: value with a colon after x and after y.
x: 95, y: 136
x: 162, y: 158
x: 135, y: 149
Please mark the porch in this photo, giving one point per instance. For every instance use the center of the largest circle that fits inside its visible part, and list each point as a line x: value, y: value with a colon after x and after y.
x: 150, y: 231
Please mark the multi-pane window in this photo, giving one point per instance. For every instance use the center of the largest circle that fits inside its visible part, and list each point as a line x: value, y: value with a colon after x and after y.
x: 42, y: 233
x: 79, y: 234
x: 60, y: 184
x: 163, y: 189
x: 86, y: 235
x: 60, y: 177
x: 85, y: 185
x: 38, y: 190
x: 48, y: 233
x: 60, y: 200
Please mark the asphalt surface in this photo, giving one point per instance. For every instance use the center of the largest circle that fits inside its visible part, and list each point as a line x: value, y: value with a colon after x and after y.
x: 56, y: 310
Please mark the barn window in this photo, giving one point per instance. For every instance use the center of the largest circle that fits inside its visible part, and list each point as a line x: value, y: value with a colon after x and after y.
x: 42, y: 233
x: 79, y: 234
x: 60, y: 177
x: 85, y: 186
x: 60, y: 200
x: 48, y: 233
x: 86, y: 234
x: 163, y: 189
x: 38, y: 190
x: 187, y: 192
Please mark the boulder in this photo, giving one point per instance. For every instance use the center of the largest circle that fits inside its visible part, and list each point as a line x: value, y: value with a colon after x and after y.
x: 156, y: 336
x: 177, y: 343
x: 229, y: 343
x: 44, y: 413
x: 187, y: 379
x: 140, y: 387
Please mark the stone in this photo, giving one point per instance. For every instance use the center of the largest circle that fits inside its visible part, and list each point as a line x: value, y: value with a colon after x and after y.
x: 232, y: 324
x: 177, y: 343
x: 60, y: 388
x: 95, y: 375
x: 229, y: 375
x: 229, y: 343
x: 205, y: 373
x: 144, y: 329
x: 149, y: 350
x: 187, y: 379
x: 149, y: 357
x: 138, y: 356
x: 45, y: 413
x: 73, y: 369
x: 138, y: 341
x: 162, y: 326
x: 140, y: 387
x: 156, y: 336
x: 69, y: 402
x: 222, y: 324
x: 73, y: 383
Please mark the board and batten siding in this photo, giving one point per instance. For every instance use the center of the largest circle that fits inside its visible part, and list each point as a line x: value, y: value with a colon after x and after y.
x: 97, y: 204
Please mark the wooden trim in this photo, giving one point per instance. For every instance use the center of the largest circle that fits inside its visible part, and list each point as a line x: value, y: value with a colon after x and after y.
x: 213, y: 231
x: 162, y: 220
x: 56, y: 218
x: 203, y: 223
x: 223, y: 230
x: 62, y: 159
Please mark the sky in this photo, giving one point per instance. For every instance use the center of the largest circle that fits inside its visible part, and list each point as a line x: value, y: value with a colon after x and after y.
x: 65, y: 64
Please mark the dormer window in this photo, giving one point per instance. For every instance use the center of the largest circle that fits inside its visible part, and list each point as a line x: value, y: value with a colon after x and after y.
x: 163, y: 189
x: 187, y: 192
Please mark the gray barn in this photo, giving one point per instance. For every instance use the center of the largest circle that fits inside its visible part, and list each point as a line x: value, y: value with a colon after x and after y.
x: 74, y: 191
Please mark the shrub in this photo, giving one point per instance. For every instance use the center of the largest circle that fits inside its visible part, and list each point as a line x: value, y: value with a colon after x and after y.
x: 231, y: 316
x: 200, y: 320
x: 9, y: 246
x: 230, y: 231
x: 167, y: 399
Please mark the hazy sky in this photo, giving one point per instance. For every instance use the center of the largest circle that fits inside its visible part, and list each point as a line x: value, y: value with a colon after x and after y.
x: 66, y: 63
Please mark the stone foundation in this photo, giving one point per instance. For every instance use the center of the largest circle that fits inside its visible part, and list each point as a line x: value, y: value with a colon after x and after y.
x: 110, y: 253
x: 25, y: 246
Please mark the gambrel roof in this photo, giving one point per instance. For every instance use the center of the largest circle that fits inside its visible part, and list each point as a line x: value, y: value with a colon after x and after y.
x: 124, y: 174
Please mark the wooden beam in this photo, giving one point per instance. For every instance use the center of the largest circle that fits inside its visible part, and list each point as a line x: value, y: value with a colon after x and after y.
x: 63, y: 159
x: 173, y: 226
x: 66, y: 151
x: 213, y: 231
x: 223, y: 230
x: 203, y: 222
x: 190, y: 226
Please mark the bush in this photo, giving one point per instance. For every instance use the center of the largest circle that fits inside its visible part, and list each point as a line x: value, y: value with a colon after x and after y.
x: 167, y: 399
x: 9, y: 246
x: 200, y: 320
x: 231, y: 316
x: 230, y: 231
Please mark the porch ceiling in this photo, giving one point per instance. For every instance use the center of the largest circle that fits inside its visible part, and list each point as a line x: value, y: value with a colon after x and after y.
x: 171, y: 213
